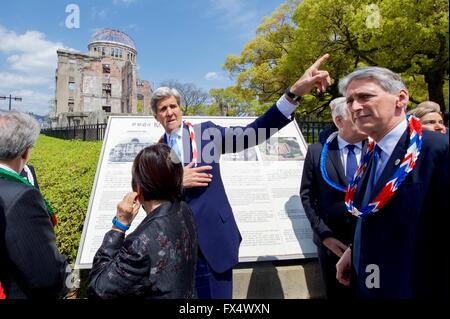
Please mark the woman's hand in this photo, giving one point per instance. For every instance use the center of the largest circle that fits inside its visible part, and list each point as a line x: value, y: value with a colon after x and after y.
x: 128, y: 208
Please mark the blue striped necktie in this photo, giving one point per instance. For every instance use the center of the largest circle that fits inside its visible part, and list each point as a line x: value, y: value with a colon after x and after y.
x: 376, y: 157
x: 174, y: 146
x: 352, y: 164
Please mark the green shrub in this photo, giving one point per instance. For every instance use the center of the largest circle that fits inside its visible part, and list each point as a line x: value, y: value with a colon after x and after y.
x: 65, y: 172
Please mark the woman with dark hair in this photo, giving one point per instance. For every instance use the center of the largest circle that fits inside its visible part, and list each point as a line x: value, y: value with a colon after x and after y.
x: 158, y: 259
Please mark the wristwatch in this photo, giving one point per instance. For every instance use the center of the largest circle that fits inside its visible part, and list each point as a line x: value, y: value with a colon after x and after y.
x: 292, y: 95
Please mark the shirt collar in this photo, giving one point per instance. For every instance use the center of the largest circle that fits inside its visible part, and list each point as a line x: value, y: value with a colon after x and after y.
x: 390, y: 140
x: 343, y: 143
x: 178, y: 133
x: 9, y: 169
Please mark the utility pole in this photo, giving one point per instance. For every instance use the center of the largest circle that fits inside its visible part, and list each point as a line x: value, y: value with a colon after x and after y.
x: 15, y: 98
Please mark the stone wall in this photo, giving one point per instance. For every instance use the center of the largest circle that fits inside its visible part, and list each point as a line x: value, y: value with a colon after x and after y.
x: 294, y: 279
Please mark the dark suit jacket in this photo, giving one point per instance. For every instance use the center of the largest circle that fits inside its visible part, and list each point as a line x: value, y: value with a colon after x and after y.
x: 30, y: 264
x: 407, y: 238
x: 218, y: 234
x: 157, y: 260
x: 324, y: 206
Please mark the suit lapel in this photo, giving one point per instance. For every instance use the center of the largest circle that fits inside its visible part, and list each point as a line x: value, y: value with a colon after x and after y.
x: 334, y: 161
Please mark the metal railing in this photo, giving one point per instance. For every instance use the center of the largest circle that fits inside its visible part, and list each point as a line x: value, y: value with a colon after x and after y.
x: 96, y: 132
x: 93, y: 132
x: 311, y: 129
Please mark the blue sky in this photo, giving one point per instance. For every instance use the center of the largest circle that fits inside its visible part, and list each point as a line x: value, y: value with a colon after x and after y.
x: 183, y: 40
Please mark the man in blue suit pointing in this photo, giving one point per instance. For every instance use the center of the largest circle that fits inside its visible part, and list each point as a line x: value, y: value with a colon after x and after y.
x: 199, y: 147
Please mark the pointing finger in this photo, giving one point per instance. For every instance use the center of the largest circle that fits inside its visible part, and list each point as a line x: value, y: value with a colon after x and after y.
x: 319, y: 61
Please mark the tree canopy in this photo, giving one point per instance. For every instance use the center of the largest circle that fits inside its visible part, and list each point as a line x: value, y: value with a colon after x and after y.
x: 409, y: 37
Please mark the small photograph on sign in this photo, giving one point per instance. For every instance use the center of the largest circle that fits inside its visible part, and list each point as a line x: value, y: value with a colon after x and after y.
x: 127, y: 151
x: 245, y: 155
x: 281, y: 149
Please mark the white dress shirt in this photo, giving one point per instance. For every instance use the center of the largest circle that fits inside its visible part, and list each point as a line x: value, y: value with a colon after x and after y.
x: 286, y: 107
x: 178, y: 134
x: 388, y: 143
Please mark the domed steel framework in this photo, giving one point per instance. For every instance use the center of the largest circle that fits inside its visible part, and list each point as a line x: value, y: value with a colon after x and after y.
x: 112, y: 36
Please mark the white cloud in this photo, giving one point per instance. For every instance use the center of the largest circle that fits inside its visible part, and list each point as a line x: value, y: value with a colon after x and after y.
x: 12, y: 80
x: 31, y: 61
x: 32, y: 101
x: 30, y: 41
x: 30, y: 52
x: 213, y: 76
x: 123, y: 2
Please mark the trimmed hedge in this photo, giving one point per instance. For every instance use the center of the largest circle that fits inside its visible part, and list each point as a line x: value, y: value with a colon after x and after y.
x: 65, y: 172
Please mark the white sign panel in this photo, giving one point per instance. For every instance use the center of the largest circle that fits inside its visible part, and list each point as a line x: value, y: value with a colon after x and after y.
x: 262, y: 185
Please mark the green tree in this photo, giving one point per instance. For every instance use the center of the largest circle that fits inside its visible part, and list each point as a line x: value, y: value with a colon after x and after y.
x: 414, y: 42
x: 233, y: 101
x: 274, y: 60
x: 407, y: 36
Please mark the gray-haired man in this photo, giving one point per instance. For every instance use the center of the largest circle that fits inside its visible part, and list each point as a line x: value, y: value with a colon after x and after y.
x: 31, y: 266
x: 332, y: 225
x: 400, y: 249
x: 219, y: 236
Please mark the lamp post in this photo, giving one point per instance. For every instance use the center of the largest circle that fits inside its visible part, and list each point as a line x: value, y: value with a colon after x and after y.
x: 15, y: 98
